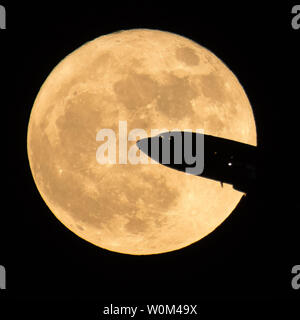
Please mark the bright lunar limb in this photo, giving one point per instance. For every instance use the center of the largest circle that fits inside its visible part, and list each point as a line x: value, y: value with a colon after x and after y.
x: 151, y: 79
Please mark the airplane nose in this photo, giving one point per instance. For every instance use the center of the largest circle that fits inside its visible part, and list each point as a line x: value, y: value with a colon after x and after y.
x: 142, y: 144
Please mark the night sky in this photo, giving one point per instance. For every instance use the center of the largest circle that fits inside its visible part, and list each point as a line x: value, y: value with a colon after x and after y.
x: 246, y: 261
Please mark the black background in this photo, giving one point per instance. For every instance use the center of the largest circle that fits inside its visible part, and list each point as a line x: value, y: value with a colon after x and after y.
x: 248, y: 258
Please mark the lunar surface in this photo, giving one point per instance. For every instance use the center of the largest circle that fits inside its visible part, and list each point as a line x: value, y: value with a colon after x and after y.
x: 151, y: 79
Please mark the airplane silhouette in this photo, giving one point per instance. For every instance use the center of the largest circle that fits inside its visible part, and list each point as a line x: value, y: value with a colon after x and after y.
x: 224, y: 160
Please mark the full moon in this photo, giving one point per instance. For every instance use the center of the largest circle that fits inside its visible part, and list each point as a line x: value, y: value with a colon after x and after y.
x: 151, y: 79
